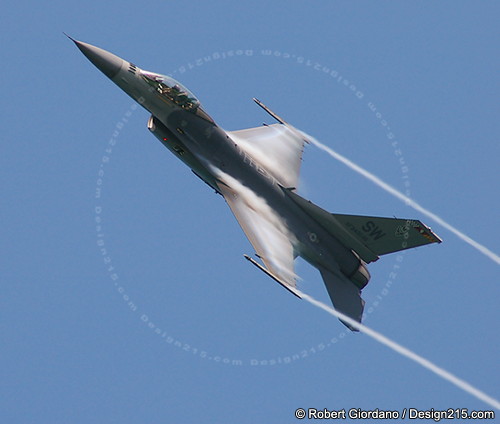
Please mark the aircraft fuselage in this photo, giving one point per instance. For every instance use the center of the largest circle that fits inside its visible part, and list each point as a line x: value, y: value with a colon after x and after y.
x: 180, y: 123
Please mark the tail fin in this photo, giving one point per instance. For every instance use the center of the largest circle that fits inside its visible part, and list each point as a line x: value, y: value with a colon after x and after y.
x: 345, y: 296
x: 369, y: 236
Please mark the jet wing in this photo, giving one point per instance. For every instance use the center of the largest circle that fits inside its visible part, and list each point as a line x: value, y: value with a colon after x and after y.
x: 274, y: 147
x: 265, y: 231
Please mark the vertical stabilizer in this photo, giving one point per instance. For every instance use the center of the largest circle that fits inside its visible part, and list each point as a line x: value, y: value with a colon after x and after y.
x: 345, y: 296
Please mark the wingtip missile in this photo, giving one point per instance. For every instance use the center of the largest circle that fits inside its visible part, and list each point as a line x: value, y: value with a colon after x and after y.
x: 300, y: 134
x: 270, y: 274
x: 275, y: 116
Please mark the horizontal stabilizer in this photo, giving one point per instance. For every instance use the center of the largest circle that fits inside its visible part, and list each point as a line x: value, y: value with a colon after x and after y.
x: 345, y: 296
x: 387, y: 235
x: 369, y: 236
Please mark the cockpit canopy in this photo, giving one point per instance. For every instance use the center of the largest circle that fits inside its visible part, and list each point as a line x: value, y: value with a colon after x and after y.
x: 176, y: 93
x: 173, y: 90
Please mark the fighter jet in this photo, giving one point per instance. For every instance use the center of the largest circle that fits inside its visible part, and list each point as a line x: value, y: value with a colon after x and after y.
x: 256, y: 170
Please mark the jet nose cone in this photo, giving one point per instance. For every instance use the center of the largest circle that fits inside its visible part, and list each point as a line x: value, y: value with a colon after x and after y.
x: 106, y: 62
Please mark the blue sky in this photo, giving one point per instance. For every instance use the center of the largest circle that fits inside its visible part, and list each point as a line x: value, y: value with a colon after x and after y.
x: 233, y: 345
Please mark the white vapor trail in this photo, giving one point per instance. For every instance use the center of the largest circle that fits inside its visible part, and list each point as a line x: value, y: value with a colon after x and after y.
x: 391, y: 190
x: 461, y: 384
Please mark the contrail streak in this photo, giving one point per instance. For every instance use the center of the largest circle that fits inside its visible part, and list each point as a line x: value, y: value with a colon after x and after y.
x: 391, y: 190
x: 461, y: 384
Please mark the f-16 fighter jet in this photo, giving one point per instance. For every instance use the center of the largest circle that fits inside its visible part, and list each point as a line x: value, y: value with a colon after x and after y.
x: 256, y: 170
